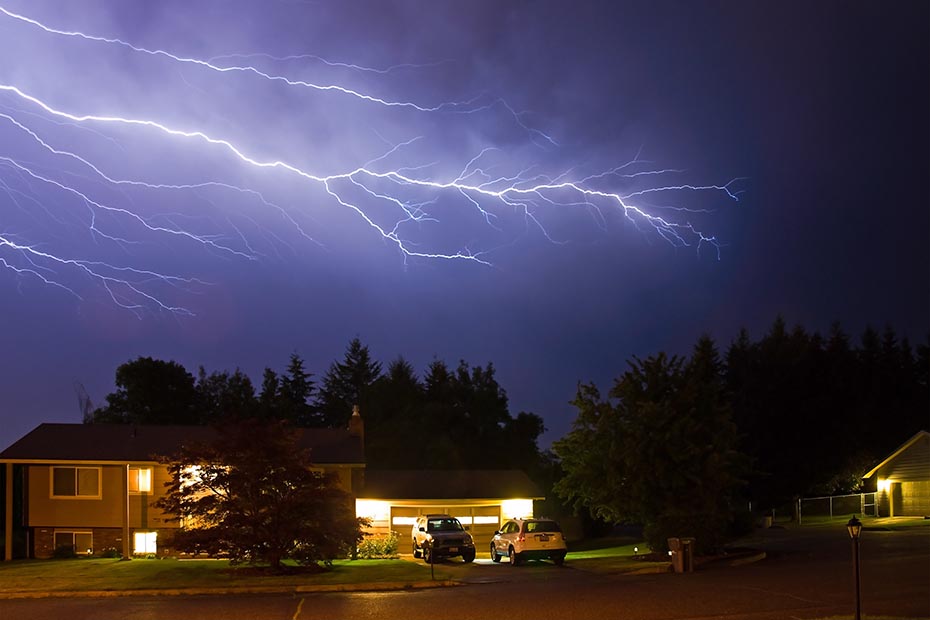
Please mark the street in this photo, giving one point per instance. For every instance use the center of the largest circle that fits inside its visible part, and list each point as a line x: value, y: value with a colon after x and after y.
x: 808, y: 574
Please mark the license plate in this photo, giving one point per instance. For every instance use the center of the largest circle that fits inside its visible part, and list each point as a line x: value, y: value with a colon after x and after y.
x: 544, y: 538
x: 453, y: 549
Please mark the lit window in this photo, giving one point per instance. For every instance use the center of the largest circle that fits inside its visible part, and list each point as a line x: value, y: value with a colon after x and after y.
x: 486, y: 520
x: 144, y: 542
x: 81, y: 482
x: 81, y: 542
x: 140, y: 479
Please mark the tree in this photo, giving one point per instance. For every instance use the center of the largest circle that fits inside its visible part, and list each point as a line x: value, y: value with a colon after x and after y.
x: 294, y: 392
x: 253, y: 495
x: 661, y: 452
x: 224, y: 397
x: 393, y: 417
x: 151, y: 391
x: 346, y: 384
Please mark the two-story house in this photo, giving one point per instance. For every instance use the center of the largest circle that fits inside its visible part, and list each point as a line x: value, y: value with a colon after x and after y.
x: 93, y: 486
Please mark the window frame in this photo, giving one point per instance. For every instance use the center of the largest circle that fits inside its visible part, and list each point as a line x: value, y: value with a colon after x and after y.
x: 74, y: 533
x: 77, y: 469
x: 139, y: 468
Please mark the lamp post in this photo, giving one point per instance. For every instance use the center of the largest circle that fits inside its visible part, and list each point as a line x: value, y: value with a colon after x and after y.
x: 855, y: 528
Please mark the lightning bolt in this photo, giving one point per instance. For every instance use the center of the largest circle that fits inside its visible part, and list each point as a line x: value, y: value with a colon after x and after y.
x: 396, y: 200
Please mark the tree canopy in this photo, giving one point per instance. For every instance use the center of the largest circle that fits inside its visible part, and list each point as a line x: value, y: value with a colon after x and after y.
x: 660, y: 451
x: 253, y: 494
x: 151, y: 391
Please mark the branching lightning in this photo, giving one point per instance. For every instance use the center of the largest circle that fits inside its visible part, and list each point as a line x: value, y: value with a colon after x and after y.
x: 403, y: 199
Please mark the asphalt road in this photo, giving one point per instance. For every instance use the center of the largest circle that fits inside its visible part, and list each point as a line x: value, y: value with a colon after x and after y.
x: 808, y: 575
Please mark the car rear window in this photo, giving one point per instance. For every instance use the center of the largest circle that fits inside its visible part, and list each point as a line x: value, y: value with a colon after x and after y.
x: 443, y: 525
x: 542, y: 526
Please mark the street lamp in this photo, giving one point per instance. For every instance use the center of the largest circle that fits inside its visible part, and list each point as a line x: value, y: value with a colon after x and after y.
x: 855, y: 528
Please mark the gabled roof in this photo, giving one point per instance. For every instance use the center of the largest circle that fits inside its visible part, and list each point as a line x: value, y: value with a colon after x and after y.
x: 907, y: 444
x: 126, y: 443
x: 448, y: 484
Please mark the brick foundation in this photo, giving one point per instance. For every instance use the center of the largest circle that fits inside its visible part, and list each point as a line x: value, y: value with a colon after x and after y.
x: 104, y: 539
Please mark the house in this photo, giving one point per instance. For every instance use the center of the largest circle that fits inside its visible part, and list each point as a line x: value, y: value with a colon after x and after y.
x: 902, y: 481
x: 480, y: 499
x: 93, y: 486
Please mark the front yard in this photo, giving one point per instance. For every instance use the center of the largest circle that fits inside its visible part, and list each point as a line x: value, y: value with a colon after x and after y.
x: 114, y: 575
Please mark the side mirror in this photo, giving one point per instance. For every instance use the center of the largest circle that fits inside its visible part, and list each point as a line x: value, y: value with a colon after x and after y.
x: 497, y: 532
x: 422, y: 529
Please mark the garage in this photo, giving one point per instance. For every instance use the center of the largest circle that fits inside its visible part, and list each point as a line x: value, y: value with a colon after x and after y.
x: 480, y: 499
x: 902, y: 481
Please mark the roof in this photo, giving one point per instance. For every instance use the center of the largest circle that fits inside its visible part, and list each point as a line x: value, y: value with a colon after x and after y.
x: 125, y: 442
x: 901, y: 449
x: 449, y: 484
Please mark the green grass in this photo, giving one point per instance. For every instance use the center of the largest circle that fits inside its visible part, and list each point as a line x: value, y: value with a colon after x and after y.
x: 107, y: 574
x: 610, y: 555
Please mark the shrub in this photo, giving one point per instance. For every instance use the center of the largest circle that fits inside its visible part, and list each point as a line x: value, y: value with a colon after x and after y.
x: 377, y: 547
x: 63, y: 552
x: 110, y: 552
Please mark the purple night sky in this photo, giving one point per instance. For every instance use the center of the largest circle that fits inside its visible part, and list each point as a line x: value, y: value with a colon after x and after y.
x: 551, y: 186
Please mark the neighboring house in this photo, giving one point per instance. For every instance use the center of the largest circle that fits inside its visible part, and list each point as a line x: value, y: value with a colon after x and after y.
x: 481, y: 500
x: 93, y: 486
x: 902, y: 481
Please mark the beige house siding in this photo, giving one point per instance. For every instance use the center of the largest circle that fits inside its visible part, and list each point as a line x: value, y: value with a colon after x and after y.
x: 105, y: 511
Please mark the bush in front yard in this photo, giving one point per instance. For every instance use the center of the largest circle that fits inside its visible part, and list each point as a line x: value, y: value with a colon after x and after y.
x: 64, y: 552
x: 379, y: 547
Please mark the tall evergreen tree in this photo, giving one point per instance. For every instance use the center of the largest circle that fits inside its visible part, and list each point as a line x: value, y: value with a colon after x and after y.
x: 346, y: 384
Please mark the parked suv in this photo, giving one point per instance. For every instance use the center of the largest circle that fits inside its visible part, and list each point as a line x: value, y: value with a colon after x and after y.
x: 529, y: 539
x: 442, y: 535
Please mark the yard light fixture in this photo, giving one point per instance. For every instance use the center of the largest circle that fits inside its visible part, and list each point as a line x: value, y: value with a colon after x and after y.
x: 854, y: 526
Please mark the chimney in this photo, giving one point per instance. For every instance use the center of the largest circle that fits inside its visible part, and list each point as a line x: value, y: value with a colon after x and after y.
x: 356, y: 426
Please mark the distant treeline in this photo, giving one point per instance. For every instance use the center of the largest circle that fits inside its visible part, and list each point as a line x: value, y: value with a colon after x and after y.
x: 449, y: 419
x: 816, y: 412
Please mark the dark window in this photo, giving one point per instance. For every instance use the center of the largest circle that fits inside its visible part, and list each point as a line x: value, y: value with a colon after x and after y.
x: 76, y: 482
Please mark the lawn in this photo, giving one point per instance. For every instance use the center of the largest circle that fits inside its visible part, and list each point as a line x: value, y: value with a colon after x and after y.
x: 611, y: 555
x: 114, y: 575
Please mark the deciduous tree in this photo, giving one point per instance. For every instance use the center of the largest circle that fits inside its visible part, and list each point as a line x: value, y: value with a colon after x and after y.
x: 253, y: 494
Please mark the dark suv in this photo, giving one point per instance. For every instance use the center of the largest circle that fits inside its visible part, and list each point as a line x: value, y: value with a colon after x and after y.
x: 441, y: 536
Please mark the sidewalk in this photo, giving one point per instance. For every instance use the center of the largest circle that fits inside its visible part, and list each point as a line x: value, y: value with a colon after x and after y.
x: 310, y: 589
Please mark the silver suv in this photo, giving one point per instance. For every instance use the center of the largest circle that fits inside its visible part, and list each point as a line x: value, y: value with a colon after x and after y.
x: 529, y: 539
x: 436, y: 536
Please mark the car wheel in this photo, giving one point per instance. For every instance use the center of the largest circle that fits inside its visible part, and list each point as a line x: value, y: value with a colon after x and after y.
x: 494, y: 556
x: 514, y: 558
x: 468, y: 556
x: 427, y: 554
x: 416, y: 550
x: 559, y: 560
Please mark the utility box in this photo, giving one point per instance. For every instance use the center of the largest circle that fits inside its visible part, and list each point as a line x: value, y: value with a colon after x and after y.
x: 682, y: 553
x: 687, y: 555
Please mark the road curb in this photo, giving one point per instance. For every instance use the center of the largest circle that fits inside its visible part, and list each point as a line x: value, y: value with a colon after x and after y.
x: 317, y: 589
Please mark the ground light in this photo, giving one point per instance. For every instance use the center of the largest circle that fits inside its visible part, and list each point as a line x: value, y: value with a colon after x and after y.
x: 855, y: 529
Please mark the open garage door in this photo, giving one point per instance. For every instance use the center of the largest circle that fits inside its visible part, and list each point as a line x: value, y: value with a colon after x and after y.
x: 481, y: 520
